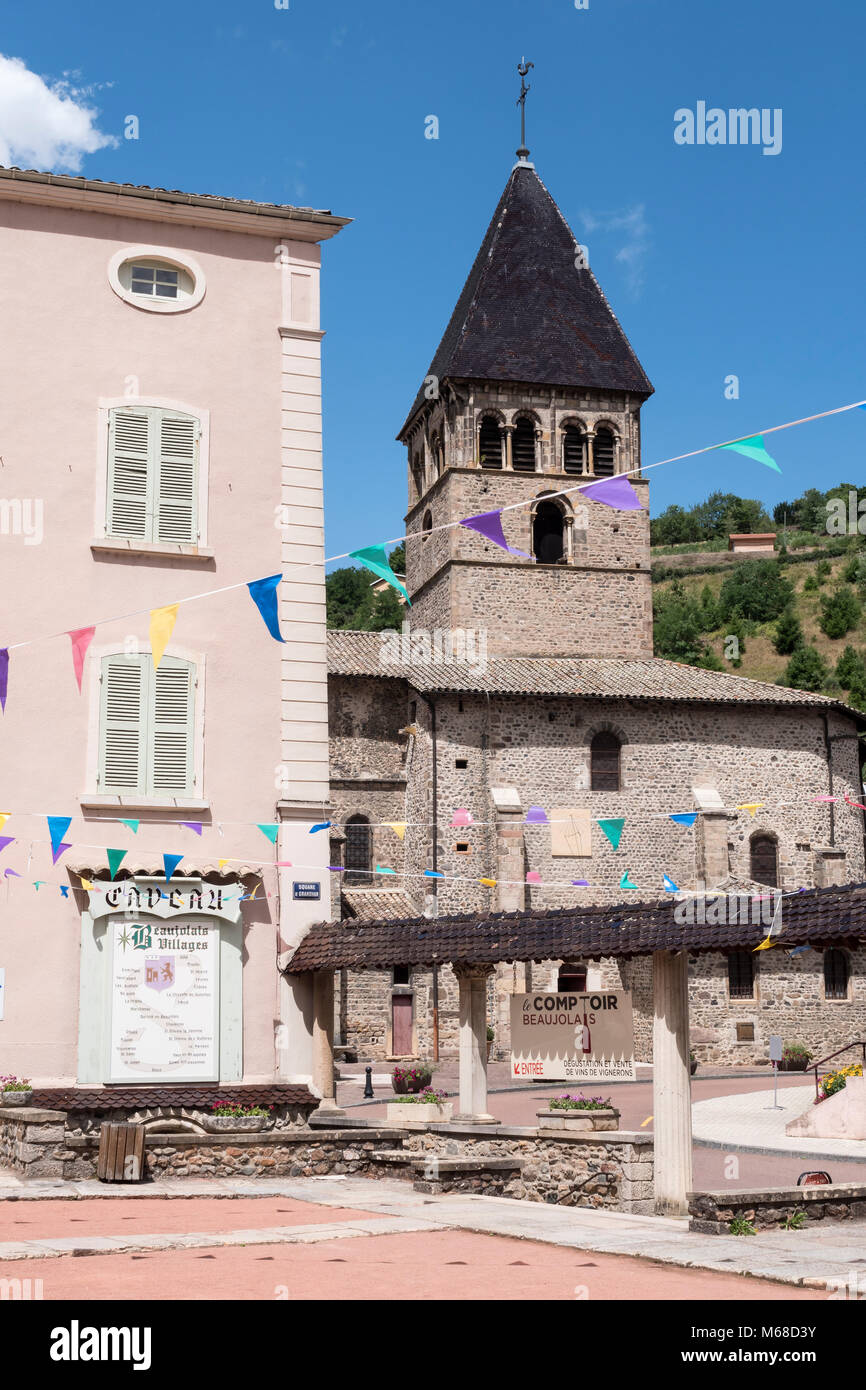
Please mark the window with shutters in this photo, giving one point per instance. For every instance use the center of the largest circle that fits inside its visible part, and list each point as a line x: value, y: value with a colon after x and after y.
x: 764, y: 860
x: 741, y: 975
x: 837, y: 973
x: 147, y: 726
x: 572, y: 449
x: 153, y: 474
x: 604, y: 756
x: 490, y: 443
x: 523, y: 446
x: 359, y: 852
x: 604, y: 452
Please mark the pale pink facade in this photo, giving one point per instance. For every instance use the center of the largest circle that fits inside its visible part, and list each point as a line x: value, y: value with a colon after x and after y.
x: 242, y: 356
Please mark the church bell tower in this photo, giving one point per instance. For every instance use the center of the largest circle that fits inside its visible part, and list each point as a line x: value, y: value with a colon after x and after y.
x: 533, y: 389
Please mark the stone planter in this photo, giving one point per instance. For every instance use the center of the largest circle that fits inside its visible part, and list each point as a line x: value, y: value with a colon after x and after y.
x: 420, y: 1114
x: 793, y: 1064
x: 15, y: 1098
x: 578, y: 1121
x: 410, y: 1087
x: 234, y: 1124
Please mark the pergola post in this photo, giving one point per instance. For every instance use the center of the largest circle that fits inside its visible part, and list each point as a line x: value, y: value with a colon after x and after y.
x: 672, y: 1101
x: 323, y: 1043
x: 472, y: 985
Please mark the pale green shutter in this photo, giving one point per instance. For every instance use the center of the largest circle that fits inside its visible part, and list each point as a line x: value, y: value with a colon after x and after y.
x: 171, y: 727
x: 176, y: 478
x: 122, y: 722
x: 128, y: 474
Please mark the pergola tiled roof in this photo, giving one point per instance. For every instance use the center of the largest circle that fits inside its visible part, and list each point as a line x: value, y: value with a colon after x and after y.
x: 644, y: 678
x: 818, y: 917
x: 188, y: 1095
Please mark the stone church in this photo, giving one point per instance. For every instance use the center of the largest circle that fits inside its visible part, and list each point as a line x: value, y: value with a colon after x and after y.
x: 525, y: 692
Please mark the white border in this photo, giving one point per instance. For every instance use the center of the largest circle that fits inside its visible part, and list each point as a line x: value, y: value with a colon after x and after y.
x: 171, y: 257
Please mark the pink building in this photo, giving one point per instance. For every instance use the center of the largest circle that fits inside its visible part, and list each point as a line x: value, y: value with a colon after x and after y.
x: 160, y: 434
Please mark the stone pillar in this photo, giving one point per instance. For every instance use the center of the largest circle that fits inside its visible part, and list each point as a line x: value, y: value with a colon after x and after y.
x: 590, y: 451
x: 672, y: 1102
x: 510, y: 896
x: 569, y: 539
x: 323, y: 1043
x: 472, y: 984
x: 508, y: 461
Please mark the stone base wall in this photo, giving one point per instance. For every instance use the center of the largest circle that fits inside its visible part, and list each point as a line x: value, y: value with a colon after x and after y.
x: 712, y: 1212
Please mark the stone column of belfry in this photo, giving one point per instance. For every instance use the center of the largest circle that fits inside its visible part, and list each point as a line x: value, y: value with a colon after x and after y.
x: 569, y: 538
x: 590, y: 451
x: 672, y: 1100
x: 508, y: 461
x: 472, y: 985
x: 323, y: 1043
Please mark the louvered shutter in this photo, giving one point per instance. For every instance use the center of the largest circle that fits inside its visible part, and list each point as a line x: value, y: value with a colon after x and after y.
x: 170, y: 733
x: 129, y: 513
x: 176, y: 478
x: 122, y: 723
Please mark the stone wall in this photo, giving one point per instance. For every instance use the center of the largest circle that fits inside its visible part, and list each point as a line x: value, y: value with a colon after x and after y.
x: 771, y: 1208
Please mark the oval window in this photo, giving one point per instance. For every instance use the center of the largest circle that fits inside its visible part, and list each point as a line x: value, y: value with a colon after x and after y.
x: 155, y: 279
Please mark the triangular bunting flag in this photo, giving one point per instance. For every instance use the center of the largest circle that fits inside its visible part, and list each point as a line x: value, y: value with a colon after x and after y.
x: 580, y: 883
x: 670, y: 886
x: 263, y: 593
x: 858, y: 804
x: 6, y: 840
x: 115, y: 859
x: 131, y: 825
x: 11, y: 873
x: 825, y: 798
x: 398, y: 827
x: 765, y: 945
x: 685, y: 817
x: 162, y: 621
x: 461, y: 817
x: 221, y: 863
x: 194, y: 825
x: 380, y: 870
x: 64, y: 890
x: 373, y: 558
x: 753, y: 448
x: 57, y: 828
x: 87, y: 885
x: 433, y: 873
x: 488, y: 882
x: 751, y: 807
x: 625, y: 881
x: 4, y: 676
x: 170, y: 862
x: 323, y: 825
x: 536, y: 815
x: 614, y: 492
x: 799, y: 950
x: 4, y: 816
x: 56, y: 853
x: 81, y: 640
x: 270, y: 832
x: 489, y: 525
x: 613, y: 829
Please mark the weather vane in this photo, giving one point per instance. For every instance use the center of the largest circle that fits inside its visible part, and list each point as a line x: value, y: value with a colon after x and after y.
x: 523, y: 68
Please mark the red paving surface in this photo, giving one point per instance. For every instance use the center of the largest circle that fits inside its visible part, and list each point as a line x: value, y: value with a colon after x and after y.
x: 452, y: 1265
x: 156, y: 1216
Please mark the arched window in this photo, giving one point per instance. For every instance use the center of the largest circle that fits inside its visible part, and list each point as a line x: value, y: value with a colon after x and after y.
x: 571, y: 978
x: 605, y: 452
x: 437, y: 455
x: 547, y: 534
x: 359, y: 851
x: 604, y: 758
x: 523, y: 446
x: 490, y: 443
x: 427, y: 525
x: 837, y: 973
x: 418, y: 474
x: 763, y: 858
x: 572, y: 449
x: 741, y: 975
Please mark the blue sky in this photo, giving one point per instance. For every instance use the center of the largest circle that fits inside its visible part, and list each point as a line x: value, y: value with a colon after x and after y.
x: 717, y: 260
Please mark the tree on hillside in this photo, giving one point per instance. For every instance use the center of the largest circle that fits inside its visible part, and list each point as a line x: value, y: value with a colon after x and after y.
x: 789, y: 633
x: 756, y: 589
x: 677, y: 627
x: 840, y: 612
x: 746, y: 517
x: 851, y: 669
x: 806, y: 670
x: 353, y: 602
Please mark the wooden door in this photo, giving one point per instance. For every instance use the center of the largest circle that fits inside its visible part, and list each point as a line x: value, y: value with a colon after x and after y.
x: 401, y: 1025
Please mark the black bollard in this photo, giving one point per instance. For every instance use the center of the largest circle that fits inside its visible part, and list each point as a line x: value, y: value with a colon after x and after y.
x: 368, y: 1084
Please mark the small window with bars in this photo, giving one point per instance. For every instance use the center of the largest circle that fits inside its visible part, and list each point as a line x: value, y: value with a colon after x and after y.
x: 741, y: 975
x: 605, y: 755
x: 157, y: 282
x: 837, y: 973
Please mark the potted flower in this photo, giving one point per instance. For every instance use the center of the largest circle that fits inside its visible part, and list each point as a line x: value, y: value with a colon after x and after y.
x: 236, y: 1118
x: 15, y: 1092
x: 795, y: 1057
x: 414, y: 1111
x: 579, y: 1113
x: 833, y: 1081
x: 490, y: 1036
x: 411, y: 1080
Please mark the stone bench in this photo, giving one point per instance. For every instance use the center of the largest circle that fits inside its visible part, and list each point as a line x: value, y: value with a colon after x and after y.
x: 433, y: 1172
x: 711, y: 1213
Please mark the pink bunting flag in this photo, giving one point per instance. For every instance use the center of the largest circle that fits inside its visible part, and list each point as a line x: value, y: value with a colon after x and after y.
x: 533, y: 876
x: 461, y: 817
x: 489, y: 525
x: 614, y: 492
x: 81, y: 639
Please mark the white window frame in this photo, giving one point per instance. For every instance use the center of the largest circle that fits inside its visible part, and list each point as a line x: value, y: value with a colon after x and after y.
x: 95, y: 796
x: 105, y: 406
x: 173, y: 260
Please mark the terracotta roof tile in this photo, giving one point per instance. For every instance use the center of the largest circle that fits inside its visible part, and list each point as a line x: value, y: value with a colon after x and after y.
x: 191, y: 1097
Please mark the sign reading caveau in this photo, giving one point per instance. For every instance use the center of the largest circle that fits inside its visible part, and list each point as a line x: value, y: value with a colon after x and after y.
x: 573, y: 1037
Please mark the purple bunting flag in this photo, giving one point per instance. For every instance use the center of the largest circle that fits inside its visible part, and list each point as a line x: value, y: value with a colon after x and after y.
x: 489, y: 525
x: 614, y: 492
x: 4, y: 676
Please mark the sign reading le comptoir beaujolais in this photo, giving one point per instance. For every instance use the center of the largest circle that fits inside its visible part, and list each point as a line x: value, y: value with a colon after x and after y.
x: 573, y: 1037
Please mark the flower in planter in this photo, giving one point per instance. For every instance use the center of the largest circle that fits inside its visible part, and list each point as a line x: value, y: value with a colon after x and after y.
x: 429, y: 1096
x: 412, y: 1078
x: 238, y: 1111
x: 795, y: 1051
x: 833, y: 1081
x: 581, y: 1102
x: 12, y: 1083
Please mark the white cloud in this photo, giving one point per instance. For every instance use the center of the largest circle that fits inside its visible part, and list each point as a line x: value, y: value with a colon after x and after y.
x: 45, y: 126
x: 631, y: 224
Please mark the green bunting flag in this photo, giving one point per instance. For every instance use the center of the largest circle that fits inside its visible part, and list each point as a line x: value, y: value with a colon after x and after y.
x: 625, y: 881
x: 613, y: 829
x: 753, y: 448
x: 271, y: 831
x: 115, y: 859
x: 131, y: 825
x: 373, y: 557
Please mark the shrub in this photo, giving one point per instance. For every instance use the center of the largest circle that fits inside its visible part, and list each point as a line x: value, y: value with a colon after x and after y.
x: 756, y: 589
x: 850, y: 669
x: 840, y: 612
x: 789, y: 633
x: 810, y: 583
x: 741, y: 1227
x: 833, y: 1081
x: 807, y: 669
x: 823, y: 570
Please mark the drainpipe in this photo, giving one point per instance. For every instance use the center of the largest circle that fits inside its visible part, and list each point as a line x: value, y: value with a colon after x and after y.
x: 431, y: 705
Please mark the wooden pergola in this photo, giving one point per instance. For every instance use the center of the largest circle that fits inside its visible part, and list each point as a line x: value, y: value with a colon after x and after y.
x: 473, y: 944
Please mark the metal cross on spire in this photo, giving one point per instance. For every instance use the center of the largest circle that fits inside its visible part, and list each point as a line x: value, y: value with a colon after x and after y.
x: 523, y: 69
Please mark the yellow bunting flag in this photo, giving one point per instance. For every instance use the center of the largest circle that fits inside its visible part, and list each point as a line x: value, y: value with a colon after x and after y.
x: 751, y: 807
x: 221, y: 863
x: 4, y: 816
x: 766, y: 945
x: 398, y: 827
x: 87, y: 885
x: 162, y: 621
x: 647, y: 1121
x: 488, y: 882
